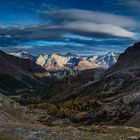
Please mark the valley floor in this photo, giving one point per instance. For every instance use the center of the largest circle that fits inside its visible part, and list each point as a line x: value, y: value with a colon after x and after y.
x: 69, y: 132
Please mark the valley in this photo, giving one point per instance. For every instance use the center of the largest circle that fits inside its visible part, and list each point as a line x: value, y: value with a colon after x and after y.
x: 94, y: 101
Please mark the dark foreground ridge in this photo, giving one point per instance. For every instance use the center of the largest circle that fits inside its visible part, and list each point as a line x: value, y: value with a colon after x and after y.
x: 18, y: 74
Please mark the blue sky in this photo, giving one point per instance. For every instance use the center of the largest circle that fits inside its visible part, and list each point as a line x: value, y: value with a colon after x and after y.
x: 82, y: 27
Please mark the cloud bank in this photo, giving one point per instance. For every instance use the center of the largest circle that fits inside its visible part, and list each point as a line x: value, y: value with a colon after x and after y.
x: 73, y: 27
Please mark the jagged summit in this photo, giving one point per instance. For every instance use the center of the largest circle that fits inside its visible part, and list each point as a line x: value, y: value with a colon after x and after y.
x: 57, y: 61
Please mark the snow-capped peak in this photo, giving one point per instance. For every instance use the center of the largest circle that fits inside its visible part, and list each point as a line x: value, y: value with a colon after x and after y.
x: 23, y: 55
x: 57, y: 61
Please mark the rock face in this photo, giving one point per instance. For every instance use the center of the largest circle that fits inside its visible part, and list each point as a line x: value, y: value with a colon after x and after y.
x: 41, y: 59
x: 56, y: 62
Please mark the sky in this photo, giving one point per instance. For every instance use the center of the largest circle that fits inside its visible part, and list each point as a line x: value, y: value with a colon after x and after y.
x: 82, y: 27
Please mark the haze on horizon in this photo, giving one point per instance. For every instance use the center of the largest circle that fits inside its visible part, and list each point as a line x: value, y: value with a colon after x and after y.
x: 77, y: 26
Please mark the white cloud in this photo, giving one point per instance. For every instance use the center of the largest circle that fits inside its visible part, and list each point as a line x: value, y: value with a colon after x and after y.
x: 90, y: 16
x: 96, y: 30
x: 91, y: 23
x: 78, y: 22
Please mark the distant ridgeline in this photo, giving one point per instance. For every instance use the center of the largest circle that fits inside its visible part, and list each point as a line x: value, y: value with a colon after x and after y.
x: 57, y: 61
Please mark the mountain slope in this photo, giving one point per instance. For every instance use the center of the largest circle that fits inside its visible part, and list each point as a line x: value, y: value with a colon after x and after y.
x: 128, y: 61
x: 117, y: 93
x: 18, y: 74
x: 68, y: 87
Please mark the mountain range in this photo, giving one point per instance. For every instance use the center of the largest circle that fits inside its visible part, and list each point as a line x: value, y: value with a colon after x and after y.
x: 25, y: 71
x: 57, y: 61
